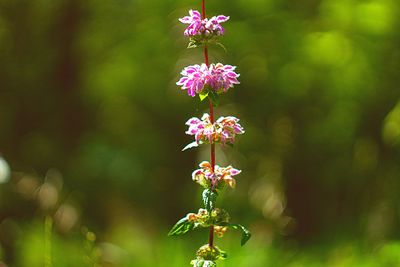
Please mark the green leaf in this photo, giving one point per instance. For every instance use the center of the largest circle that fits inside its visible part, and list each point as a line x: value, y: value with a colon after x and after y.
x: 203, y: 95
x: 214, y: 96
x: 191, y: 145
x: 245, y: 233
x: 181, y: 227
x: 222, y: 254
x: 209, y: 199
x: 192, y: 44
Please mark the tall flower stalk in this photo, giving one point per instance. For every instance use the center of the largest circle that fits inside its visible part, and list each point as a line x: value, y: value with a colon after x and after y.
x: 209, y: 81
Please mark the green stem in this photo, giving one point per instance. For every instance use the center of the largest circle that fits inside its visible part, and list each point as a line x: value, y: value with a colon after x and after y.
x: 48, y: 228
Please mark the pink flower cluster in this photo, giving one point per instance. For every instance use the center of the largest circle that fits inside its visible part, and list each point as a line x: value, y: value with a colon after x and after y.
x: 222, y: 131
x: 218, y: 77
x: 206, y: 177
x: 204, y: 27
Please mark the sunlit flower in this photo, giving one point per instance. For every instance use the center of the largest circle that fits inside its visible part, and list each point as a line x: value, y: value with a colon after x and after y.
x: 204, y: 27
x: 193, y: 79
x: 222, y: 77
x: 221, y: 175
x: 224, y: 130
x: 217, y: 77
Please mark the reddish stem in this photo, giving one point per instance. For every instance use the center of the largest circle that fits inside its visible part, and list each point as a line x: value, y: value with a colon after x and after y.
x: 203, y: 9
x: 206, y: 54
x: 212, y: 151
x: 211, y: 237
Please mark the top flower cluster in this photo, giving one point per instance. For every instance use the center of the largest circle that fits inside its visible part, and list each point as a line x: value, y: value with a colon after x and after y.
x: 203, y: 27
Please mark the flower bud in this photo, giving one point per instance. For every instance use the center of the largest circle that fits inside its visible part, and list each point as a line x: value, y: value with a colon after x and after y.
x: 219, y: 216
x: 192, y: 217
x: 220, y: 230
x: 203, y: 218
x: 210, y: 253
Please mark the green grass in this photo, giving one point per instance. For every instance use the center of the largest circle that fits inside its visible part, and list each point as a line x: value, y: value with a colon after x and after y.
x: 128, y: 247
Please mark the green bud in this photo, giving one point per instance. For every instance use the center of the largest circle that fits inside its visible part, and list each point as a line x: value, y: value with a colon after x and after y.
x: 208, y: 253
x: 219, y: 216
x: 203, y: 218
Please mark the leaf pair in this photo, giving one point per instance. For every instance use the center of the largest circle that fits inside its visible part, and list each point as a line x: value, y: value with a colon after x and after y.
x: 193, y: 43
x: 184, y: 225
x: 214, y: 96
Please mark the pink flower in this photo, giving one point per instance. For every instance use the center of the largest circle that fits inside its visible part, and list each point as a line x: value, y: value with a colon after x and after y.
x: 222, y: 131
x: 204, y: 27
x: 206, y: 177
x: 193, y: 79
x: 222, y: 77
x: 228, y: 129
x: 217, y: 77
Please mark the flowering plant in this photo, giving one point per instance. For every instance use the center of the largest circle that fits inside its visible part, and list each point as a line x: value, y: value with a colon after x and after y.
x: 209, y: 81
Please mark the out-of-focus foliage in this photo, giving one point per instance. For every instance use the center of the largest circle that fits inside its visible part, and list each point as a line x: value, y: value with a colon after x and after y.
x: 92, y: 126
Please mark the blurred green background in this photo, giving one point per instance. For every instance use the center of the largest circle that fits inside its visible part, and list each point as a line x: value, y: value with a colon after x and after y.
x: 92, y: 126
